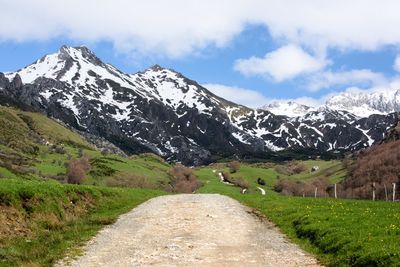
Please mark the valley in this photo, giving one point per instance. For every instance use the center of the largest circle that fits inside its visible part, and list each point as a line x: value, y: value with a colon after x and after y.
x: 37, y: 210
x: 82, y: 143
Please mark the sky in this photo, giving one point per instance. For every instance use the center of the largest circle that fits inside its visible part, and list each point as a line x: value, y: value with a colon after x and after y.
x: 251, y: 52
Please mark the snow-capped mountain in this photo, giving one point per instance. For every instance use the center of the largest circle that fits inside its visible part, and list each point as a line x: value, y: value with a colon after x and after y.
x: 161, y: 111
x: 361, y: 104
x: 290, y: 108
x: 364, y: 104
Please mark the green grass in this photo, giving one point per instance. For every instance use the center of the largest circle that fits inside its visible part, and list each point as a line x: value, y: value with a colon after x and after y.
x: 338, y: 232
x: 147, y: 165
x: 5, y: 173
x: 55, y: 219
x: 51, y: 219
x: 330, y: 168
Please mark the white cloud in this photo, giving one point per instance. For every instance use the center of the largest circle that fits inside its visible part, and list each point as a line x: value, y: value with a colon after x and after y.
x: 179, y: 27
x: 255, y: 99
x: 246, y: 97
x: 360, y: 77
x: 171, y: 28
x: 284, y: 63
x: 396, y: 64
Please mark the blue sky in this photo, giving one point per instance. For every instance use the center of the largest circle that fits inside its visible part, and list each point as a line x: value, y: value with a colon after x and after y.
x: 251, y: 52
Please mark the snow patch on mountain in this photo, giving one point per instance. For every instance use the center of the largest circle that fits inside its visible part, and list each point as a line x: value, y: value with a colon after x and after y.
x: 161, y: 110
x: 364, y: 104
x: 290, y: 108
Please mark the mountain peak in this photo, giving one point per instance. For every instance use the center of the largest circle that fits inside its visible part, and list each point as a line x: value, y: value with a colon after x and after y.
x: 156, y: 67
x: 78, y: 53
x: 290, y: 108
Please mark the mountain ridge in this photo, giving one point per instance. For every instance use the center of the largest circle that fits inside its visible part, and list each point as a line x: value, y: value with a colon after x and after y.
x: 361, y: 104
x: 160, y: 110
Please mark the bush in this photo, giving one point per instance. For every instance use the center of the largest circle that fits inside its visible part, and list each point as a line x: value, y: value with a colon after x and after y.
x: 58, y: 149
x: 239, y: 181
x: 290, y: 168
x: 227, y: 177
x: 77, y: 169
x: 297, y: 188
x: 260, y: 181
x: 234, y: 166
x: 242, y: 183
x: 183, y: 179
x: 379, y: 164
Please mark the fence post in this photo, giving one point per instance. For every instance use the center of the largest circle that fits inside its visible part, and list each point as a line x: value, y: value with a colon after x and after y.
x: 394, y: 192
x: 315, y: 192
x: 335, y: 192
x: 373, y: 191
x: 386, y: 193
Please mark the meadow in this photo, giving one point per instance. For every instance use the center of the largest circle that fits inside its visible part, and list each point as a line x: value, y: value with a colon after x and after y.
x: 43, y: 219
x: 339, y: 232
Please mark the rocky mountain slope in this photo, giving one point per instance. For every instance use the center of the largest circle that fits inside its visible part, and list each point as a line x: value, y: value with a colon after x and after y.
x: 161, y: 111
x: 361, y: 104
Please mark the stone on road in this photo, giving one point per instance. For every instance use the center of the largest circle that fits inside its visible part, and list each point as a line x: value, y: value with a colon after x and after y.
x: 191, y: 230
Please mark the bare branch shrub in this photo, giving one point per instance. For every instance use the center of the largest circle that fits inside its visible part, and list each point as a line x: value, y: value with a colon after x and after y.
x: 183, y: 179
x: 77, y: 170
x: 234, y: 166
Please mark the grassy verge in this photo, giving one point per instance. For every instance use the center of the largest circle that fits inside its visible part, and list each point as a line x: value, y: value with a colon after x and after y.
x: 41, y: 221
x: 338, y: 232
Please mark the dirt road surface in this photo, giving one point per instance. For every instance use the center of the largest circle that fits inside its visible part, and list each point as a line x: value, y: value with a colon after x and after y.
x: 191, y: 230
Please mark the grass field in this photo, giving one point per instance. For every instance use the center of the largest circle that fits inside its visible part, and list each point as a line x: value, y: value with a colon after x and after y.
x: 339, y: 232
x: 41, y: 221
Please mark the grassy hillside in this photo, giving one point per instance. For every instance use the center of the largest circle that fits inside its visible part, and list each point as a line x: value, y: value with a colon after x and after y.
x: 271, y: 172
x: 339, y: 232
x: 41, y: 218
x: 32, y: 145
x: 41, y: 221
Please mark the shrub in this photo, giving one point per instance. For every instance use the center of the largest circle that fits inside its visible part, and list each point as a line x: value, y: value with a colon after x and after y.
x: 290, y: 168
x: 77, y: 169
x: 59, y: 149
x: 260, y: 181
x: 297, y: 188
x: 183, y: 179
x: 242, y: 183
x: 227, y: 177
x: 379, y: 164
x: 234, y: 166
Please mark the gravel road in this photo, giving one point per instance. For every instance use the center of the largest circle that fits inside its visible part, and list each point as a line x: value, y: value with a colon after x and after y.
x: 191, y: 230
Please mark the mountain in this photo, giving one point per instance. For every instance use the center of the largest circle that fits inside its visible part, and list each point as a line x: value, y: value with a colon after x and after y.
x: 364, y: 104
x: 361, y: 104
x: 159, y: 110
x: 290, y: 108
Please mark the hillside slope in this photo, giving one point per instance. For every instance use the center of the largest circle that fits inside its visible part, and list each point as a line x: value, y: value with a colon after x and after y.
x: 34, y: 146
